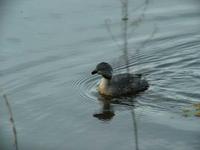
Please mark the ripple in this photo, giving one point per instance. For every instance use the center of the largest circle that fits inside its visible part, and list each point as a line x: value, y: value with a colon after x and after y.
x: 158, y: 97
x: 169, y: 68
x: 87, y: 87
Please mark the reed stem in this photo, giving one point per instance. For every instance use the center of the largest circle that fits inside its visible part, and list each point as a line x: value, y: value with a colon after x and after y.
x: 125, y: 31
x: 126, y: 58
x: 11, y: 121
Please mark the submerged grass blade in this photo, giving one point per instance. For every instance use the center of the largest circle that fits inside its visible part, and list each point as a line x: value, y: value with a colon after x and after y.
x: 11, y: 121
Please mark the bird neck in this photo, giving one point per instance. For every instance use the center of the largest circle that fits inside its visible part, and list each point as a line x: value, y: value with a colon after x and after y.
x: 104, y: 83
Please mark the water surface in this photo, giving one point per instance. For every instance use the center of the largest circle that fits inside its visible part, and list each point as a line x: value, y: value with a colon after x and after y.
x: 48, y: 49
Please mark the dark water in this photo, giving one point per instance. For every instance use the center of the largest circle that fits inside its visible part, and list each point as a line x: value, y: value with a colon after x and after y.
x: 48, y: 49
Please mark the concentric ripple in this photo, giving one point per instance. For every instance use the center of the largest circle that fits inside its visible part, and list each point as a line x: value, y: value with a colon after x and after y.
x: 171, y: 76
x: 87, y: 87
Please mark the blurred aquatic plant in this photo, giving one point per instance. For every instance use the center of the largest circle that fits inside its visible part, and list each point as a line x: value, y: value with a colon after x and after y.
x: 135, y: 22
x: 126, y: 23
x: 129, y: 25
x: 193, y: 110
x: 132, y: 23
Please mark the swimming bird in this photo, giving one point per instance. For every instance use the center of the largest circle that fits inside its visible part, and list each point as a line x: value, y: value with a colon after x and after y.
x: 118, y: 85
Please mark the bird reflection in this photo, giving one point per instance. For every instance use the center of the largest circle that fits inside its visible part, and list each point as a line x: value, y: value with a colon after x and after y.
x: 107, y: 109
x: 107, y: 112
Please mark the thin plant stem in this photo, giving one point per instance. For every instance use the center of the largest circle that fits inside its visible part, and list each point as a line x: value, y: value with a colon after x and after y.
x: 139, y: 20
x: 124, y: 32
x: 107, y: 24
x: 135, y: 128
x: 11, y: 121
x: 125, y: 52
x: 145, y: 42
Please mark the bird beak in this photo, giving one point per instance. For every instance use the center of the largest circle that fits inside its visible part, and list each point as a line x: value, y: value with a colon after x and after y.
x: 94, y: 72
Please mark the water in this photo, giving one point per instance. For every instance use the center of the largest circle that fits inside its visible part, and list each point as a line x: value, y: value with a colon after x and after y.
x: 49, y: 48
